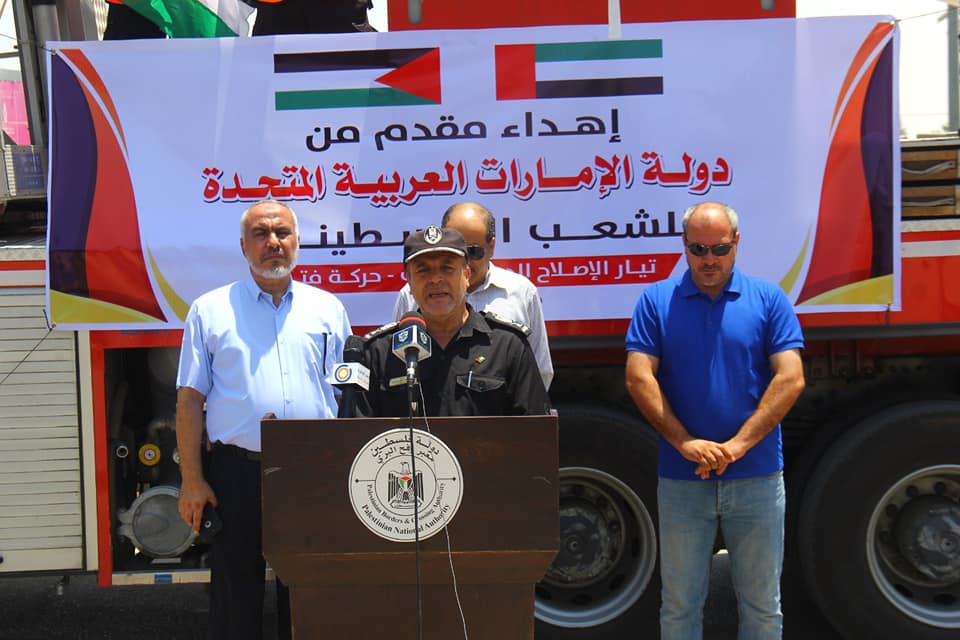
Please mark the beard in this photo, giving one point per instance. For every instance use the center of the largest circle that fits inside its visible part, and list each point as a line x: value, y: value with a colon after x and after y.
x: 278, y: 272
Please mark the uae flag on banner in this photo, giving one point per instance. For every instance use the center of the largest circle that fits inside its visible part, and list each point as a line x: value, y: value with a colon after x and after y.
x: 363, y: 78
x: 576, y: 69
x: 196, y: 18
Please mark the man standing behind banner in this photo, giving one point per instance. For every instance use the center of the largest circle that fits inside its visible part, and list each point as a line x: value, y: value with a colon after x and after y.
x: 310, y: 16
x: 265, y: 344
x: 501, y: 291
x: 713, y: 363
x: 479, y: 365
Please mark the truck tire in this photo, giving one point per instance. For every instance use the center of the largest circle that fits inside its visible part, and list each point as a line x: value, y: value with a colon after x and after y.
x: 879, y: 526
x: 604, y: 583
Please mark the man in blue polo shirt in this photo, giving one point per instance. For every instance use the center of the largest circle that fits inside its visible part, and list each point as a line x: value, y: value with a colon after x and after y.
x: 713, y: 363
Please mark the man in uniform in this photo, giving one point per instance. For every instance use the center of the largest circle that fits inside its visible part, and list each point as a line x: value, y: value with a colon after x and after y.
x: 500, y: 291
x: 480, y: 365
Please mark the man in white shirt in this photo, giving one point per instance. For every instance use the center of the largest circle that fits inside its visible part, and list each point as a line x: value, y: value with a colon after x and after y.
x: 492, y: 289
x: 265, y: 344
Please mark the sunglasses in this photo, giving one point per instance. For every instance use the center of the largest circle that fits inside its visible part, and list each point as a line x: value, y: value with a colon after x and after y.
x: 475, y: 251
x: 718, y: 250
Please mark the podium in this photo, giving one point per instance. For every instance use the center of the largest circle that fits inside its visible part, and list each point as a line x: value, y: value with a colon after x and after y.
x: 346, y: 582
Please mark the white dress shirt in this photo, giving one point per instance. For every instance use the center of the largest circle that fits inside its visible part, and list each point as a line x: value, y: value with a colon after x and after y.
x: 249, y: 357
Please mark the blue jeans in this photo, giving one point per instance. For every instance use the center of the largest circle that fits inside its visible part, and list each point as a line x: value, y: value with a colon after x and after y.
x: 750, y: 513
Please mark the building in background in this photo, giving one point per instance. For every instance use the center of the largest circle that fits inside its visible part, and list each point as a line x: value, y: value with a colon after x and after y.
x: 13, y: 108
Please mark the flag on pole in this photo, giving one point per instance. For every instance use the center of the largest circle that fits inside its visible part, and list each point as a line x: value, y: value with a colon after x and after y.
x: 196, y: 18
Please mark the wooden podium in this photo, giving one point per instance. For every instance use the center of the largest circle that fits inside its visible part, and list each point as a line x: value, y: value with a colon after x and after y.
x: 348, y: 583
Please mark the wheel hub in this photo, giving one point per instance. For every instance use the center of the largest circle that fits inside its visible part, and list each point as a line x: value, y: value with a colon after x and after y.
x: 591, y: 539
x: 913, y: 545
x: 928, y: 534
x: 607, y: 555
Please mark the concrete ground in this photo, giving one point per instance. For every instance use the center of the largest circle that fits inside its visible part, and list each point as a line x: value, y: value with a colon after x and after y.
x: 32, y: 609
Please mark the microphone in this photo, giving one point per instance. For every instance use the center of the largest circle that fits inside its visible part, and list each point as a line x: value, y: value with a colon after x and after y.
x: 411, y: 343
x: 351, y: 376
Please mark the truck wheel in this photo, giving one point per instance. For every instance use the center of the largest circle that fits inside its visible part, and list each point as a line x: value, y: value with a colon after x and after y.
x: 604, y: 582
x: 880, y: 525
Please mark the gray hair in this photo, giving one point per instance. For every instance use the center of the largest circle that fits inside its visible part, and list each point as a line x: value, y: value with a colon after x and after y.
x: 488, y: 220
x: 727, y: 209
x: 246, y: 214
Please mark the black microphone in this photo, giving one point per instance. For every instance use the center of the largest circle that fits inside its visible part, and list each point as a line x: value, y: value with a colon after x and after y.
x: 352, y: 375
x: 411, y: 343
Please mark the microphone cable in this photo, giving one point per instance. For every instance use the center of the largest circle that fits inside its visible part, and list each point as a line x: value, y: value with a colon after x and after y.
x: 416, y: 504
x: 446, y: 529
x: 411, y: 343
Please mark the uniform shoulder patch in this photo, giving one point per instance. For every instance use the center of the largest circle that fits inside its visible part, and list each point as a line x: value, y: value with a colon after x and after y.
x: 500, y: 320
x: 390, y: 326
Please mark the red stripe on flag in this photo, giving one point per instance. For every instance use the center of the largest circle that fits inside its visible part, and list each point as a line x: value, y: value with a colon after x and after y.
x: 516, y: 71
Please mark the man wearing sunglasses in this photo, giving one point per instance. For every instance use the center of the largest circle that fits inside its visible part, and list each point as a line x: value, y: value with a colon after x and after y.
x: 713, y: 363
x: 498, y: 291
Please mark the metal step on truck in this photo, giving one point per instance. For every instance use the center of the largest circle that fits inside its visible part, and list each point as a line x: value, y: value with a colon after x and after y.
x: 156, y: 147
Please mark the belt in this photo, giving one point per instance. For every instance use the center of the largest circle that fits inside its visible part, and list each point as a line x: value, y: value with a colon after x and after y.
x: 240, y: 452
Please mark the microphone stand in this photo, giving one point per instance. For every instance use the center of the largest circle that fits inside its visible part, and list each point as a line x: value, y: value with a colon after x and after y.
x: 416, y: 506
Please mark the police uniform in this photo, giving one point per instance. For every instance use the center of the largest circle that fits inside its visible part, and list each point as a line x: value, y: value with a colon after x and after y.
x: 487, y: 369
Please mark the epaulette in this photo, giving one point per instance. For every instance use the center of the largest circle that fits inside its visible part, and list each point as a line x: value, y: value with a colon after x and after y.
x: 517, y: 326
x: 390, y: 326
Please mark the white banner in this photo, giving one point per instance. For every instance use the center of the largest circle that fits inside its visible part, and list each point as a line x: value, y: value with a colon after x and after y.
x: 586, y: 149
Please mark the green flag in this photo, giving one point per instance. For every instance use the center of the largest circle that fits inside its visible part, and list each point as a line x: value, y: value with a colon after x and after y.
x: 196, y: 18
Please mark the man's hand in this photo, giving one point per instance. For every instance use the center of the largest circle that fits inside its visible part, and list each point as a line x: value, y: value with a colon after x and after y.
x: 195, y: 493
x: 709, y: 456
x: 193, y: 498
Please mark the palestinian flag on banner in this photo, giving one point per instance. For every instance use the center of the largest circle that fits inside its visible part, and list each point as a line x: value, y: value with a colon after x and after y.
x: 363, y: 78
x: 576, y: 69
x: 196, y: 18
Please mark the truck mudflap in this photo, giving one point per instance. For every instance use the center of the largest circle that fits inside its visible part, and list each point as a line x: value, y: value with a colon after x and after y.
x: 879, y: 525
x: 605, y: 579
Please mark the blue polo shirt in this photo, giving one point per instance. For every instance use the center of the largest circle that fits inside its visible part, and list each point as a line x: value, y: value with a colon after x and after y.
x: 714, y: 361
x: 249, y: 357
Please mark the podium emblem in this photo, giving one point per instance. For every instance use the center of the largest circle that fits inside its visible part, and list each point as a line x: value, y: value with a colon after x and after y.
x: 390, y: 481
x: 403, y: 488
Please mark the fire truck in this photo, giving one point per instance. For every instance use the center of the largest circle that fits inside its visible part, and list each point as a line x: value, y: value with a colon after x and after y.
x: 87, y: 443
